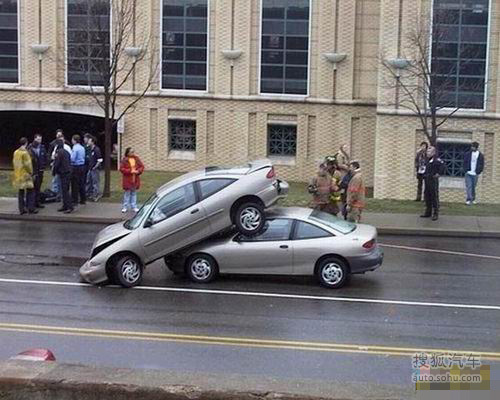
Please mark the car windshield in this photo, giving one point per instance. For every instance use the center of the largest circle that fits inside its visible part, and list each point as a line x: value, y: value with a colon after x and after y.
x: 135, y: 221
x: 333, y: 222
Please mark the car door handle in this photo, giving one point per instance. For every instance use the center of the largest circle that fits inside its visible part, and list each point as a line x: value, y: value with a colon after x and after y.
x: 283, y: 246
x: 194, y: 211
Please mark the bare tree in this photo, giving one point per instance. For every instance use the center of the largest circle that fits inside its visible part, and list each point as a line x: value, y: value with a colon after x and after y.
x: 105, y: 53
x: 425, y: 86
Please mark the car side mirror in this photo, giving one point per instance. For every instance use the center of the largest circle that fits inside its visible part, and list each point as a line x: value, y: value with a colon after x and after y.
x: 148, y: 223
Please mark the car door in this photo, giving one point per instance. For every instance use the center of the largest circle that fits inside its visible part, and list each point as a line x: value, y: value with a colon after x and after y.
x: 175, y: 222
x: 310, y: 242
x: 268, y: 253
x: 216, y: 202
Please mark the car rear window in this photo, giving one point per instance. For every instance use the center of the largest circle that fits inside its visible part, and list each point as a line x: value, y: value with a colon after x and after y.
x: 331, y: 221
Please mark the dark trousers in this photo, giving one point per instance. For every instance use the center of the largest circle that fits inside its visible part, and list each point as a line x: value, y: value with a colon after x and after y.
x: 38, y: 184
x: 431, y: 195
x: 420, y: 186
x: 78, y: 178
x: 25, y: 200
x: 66, y: 197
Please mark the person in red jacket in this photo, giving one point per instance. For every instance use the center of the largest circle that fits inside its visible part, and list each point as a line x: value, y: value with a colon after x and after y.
x: 131, y: 168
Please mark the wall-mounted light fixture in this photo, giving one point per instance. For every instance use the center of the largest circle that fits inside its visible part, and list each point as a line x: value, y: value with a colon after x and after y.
x: 398, y: 64
x: 335, y: 58
x: 133, y: 52
x: 39, y: 49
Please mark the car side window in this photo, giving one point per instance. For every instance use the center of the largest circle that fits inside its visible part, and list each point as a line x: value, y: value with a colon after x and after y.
x: 173, y: 203
x: 304, y: 230
x: 208, y: 187
x: 274, y: 229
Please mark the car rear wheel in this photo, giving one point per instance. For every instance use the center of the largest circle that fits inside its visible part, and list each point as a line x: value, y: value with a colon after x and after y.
x: 332, y: 273
x: 250, y: 219
x: 127, y: 271
x: 201, y: 268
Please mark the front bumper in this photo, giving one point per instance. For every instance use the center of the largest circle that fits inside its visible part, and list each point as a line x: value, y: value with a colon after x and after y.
x: 94, y: 274
x: 369, y: 262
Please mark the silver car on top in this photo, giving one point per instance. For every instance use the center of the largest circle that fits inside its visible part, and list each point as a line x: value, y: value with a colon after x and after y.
x: 181, y: 213
x: 295, y: 241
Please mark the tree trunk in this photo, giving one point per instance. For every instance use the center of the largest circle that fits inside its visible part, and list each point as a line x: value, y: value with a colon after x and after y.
x: 108, y: 130
x: 433, y: 129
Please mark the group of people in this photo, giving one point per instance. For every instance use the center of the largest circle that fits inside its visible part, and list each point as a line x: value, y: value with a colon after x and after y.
x: 75, y: 171
x: 338, y: 187
x: 429, y: 167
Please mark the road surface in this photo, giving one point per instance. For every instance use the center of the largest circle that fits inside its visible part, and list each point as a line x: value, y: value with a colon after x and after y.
x: 429, y: 294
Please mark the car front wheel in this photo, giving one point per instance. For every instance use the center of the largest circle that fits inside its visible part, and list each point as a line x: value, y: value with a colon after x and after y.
x: 128, y: 271
x: 250, y: 219
x: 332, y: 273
x: 201, y: 268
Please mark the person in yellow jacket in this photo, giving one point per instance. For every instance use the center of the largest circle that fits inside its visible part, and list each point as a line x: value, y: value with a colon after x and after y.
x: 22, y: 178
x: 333, y: 169
x: 355, y: 202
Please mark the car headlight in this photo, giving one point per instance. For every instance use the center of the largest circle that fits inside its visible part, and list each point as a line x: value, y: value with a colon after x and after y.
x: 103, y: 246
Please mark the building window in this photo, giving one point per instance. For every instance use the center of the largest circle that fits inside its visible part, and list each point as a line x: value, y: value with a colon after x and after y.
x: 282, y: 140
x: 453, y: 154
x: 9, y: 63
x: 184, y: 44
x: 459, y: 52
x: 182, y: 135
x: 285, y: 47
x: 88, y: 39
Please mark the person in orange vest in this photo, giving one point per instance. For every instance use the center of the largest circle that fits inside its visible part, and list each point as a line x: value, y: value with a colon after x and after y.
x: 321, y: 188
x: 355, y: 202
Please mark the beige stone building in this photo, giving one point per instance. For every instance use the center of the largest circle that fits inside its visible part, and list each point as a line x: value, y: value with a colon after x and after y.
x: 291, y: 80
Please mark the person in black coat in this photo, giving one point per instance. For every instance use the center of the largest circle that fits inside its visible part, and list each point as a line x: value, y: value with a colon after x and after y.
x: 62, y: 167
x: 473, y: 166
x: 433, y: 169
x: 420, y: 161
x: 39, y: 157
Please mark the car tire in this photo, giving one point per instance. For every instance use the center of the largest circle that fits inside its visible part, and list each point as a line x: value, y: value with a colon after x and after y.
x: 201, y: 268
x: 249, y: 219
x: 127, y: 271
x: 333, y: 273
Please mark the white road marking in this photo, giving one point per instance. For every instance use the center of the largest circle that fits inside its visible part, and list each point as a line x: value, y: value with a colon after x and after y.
x: 424, y: 250
x: 267, y: 295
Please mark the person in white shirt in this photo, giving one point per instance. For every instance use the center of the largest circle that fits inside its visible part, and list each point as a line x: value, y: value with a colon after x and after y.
x: 474, y: 166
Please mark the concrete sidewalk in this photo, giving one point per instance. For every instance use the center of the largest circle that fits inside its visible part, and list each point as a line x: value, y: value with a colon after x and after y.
x: 397, y: 224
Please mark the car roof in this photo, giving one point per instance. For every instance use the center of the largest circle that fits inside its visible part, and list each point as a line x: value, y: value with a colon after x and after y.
x: 214, y: 172
x: 289, y: 212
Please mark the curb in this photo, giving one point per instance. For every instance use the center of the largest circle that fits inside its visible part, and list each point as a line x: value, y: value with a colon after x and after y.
x: 381, y: 230
x: 55, y: 218
x: 437, y: 233
x: 51, y: 380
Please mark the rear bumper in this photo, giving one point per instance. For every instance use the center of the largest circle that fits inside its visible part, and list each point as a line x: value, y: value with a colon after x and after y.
x: 369, y: 262
x: 94, y: 274
x: 278, y: 190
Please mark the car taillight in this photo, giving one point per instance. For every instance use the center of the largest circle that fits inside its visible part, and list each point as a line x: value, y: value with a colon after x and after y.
x: 271, y: 174
x: 370, y: 244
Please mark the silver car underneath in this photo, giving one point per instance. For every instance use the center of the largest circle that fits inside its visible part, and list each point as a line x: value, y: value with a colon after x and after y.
x: 297, y: 241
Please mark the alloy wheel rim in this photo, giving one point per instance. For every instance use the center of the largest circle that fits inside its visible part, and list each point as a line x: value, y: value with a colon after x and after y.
x: 131, y: 271
x: 332, y: 273
x: 250, y: 218
x: 201, y: 269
